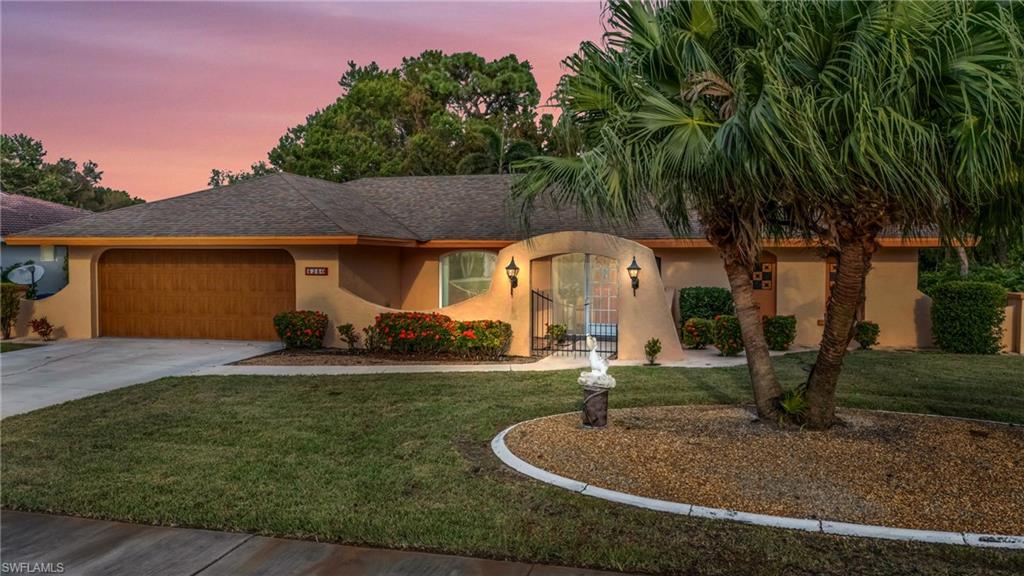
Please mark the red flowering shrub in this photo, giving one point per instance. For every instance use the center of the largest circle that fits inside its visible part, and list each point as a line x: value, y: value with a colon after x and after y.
x: 698, y: 333
x: 302, y: 328
x: 728, y: 338
x: 415, y: 332
x: 421, y: 333
x: 482, y: 338
x: 42, y: 327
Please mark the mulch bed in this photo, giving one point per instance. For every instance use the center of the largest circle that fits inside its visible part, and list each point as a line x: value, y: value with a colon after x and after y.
x: 876, y: 468
x: 341, y: 357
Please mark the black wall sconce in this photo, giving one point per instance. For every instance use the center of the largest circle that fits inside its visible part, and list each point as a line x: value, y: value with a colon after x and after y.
x: 634, y: 274
x: 513, y: 275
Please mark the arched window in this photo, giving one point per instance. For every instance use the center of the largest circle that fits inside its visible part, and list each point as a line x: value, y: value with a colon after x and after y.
x: 465, y: 274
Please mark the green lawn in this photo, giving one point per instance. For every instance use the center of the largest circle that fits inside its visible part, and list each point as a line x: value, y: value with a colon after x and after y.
x: 404, y: 461
x: 12, y: 346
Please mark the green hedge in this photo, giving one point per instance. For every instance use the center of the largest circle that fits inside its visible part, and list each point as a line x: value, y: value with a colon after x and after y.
x: 705, y: 302
x: 967, y: 317
x: 779, y: 331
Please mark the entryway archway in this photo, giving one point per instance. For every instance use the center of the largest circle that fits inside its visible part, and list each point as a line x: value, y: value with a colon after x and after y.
x: 580, y: 299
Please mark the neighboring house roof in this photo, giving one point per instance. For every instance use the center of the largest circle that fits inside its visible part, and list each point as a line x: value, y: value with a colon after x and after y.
x: 19, y: 213
x: 412, y: 209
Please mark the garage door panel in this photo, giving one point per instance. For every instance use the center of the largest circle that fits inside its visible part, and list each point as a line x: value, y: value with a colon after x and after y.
x: 217, y: 294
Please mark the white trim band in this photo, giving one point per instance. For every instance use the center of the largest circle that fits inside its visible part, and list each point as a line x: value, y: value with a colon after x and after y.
x: 824, y: 526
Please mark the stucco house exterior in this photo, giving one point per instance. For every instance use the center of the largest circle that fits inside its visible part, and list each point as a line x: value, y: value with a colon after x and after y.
x: 21, y: 213
x: 221, y: 262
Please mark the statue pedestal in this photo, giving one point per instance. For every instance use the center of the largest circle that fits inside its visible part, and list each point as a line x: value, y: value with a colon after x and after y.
x: 595, y: 398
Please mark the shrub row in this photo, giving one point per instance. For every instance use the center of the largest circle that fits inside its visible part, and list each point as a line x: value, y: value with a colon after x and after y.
x: 402, y: 333
x: 724, y: 333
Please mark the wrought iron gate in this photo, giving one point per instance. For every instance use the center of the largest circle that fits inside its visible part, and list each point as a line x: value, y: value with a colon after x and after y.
x: 546, y: 313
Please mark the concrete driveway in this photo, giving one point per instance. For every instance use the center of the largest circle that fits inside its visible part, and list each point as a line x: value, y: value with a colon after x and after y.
x: 70, y: 369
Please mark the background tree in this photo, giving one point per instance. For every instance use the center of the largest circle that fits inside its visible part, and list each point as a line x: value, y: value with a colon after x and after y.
x: 895, y: 116
x: 220, y: 178
x: 420, y: 118
x: 498, y: 155
x: 24, y: 170
x: 665, y: 109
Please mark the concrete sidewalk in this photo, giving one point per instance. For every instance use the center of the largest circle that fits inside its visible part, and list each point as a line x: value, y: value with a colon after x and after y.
x: 40, y: 543
x: 708, y: 358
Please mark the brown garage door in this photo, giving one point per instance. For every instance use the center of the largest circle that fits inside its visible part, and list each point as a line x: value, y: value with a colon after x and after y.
x: 222, y: 294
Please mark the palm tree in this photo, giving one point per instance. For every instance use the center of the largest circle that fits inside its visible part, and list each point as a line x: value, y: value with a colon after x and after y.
x: 902, y: 116
x: 498, y: 154
x: 665, y: 107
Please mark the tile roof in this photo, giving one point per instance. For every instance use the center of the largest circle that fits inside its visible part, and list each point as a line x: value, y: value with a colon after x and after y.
x: 19, y: 213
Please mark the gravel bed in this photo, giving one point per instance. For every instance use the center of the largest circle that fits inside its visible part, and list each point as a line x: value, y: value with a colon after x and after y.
x: 876, y: 468
x: 341, y: 357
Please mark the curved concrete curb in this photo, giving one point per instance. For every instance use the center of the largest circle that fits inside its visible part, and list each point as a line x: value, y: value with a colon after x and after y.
x: 824, y: 526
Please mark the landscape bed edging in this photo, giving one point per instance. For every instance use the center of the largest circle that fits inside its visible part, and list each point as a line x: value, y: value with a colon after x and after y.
x: 835, y: 528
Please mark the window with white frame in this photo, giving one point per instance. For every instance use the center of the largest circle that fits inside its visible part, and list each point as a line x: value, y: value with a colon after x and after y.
x: 465, y: 274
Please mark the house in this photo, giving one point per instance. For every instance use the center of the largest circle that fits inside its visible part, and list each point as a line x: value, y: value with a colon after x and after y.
x: 221, y: 262
x: 20, y: 213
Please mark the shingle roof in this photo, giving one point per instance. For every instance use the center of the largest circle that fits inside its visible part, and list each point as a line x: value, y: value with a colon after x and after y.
x: 273, y: 205
x: 19, y: 213
x: 419, y: 208
x: 477, y: 208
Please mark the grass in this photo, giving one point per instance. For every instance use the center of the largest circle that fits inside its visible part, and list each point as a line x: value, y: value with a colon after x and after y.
x: 12, y: 346
x: 403, y: 461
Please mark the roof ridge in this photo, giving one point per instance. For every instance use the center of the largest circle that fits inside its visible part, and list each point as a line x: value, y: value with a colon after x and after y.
x: 291, y: 185
x: 393, y: 218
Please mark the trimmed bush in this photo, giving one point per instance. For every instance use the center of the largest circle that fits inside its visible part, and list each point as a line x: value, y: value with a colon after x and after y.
x: 302, y: 328
x: 415, y: 332
x: 779, y: 331
x: 866, y: 334
x: 698, y: 333
x: 651, y: 349
x: 488, y: 339
x: 705, y: 302
x: 728, y: 337
x: 967, y: 317
x: 347, y: 334
x: 10, y: 305
x: 556, y: 334
x: 431, y: 334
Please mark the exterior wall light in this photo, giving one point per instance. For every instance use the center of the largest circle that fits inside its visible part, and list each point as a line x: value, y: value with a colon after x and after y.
x: 634, y: 274
x: 513, y: 275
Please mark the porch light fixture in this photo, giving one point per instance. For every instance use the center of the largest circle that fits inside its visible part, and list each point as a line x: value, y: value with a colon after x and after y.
x: 513, y: 275
x: 634, y: 274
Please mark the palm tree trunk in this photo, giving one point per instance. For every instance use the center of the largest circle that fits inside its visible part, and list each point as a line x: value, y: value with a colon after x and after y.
x: 965, y: 263
x: 840, y: 320
x: 767, y: 391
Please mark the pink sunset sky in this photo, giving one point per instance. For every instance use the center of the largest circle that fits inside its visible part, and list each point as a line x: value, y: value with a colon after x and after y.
x: 160, y: 93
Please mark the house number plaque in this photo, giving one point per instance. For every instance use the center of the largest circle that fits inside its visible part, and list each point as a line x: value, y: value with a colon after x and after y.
x: 316, y: 270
